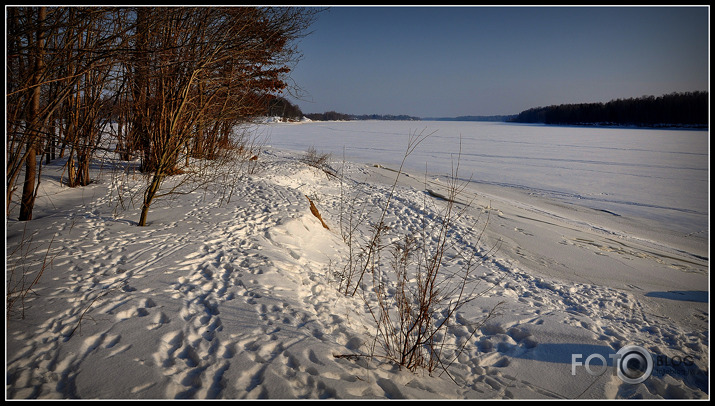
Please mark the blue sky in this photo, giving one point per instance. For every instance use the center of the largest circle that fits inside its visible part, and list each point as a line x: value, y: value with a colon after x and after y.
x: 452, y: 61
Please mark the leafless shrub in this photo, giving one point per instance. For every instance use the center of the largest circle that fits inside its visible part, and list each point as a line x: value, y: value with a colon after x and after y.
x: 413, y: 285
x: 319, y: 160
x: 217, y: 177
x: 363, y: 260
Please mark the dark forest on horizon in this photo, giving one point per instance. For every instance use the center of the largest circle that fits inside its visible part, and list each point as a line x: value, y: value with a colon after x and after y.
x: 688, y: 109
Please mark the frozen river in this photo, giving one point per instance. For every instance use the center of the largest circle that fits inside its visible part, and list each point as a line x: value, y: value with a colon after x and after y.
x: 656, y: 174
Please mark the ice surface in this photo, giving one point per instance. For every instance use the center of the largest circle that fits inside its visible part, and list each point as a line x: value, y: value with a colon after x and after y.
x: 650, y: 173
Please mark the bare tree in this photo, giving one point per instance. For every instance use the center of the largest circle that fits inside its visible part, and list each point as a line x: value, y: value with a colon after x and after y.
x: 54, y: 92
x: 175, y: 80
x: 205, y: 68
x: 34, y: 119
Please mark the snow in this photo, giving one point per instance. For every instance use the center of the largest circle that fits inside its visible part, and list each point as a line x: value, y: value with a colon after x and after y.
x: 235, y: 295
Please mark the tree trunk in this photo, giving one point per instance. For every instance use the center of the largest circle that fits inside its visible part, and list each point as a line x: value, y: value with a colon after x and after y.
x: 149, y: 196
x: 139, y: 87
x: 27, y: 202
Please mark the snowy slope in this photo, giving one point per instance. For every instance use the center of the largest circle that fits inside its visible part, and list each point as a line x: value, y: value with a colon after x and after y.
x: 237, y: 298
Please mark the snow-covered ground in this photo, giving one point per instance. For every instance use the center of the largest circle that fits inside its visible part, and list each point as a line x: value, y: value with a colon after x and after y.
x: 231, y: 291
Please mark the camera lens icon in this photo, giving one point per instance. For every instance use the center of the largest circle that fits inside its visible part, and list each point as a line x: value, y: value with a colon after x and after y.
x: 634, y: 364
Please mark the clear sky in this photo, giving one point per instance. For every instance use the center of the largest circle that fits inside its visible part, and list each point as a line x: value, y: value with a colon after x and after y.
x: 452, y: 61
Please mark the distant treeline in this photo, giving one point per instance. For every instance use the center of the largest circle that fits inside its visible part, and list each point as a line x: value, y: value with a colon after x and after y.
x: 329, y: 116
x: 473, y: 118
x: 279, y: 107
x: 675, y: 109
x: 335, y: 116
x: 690, y: 109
